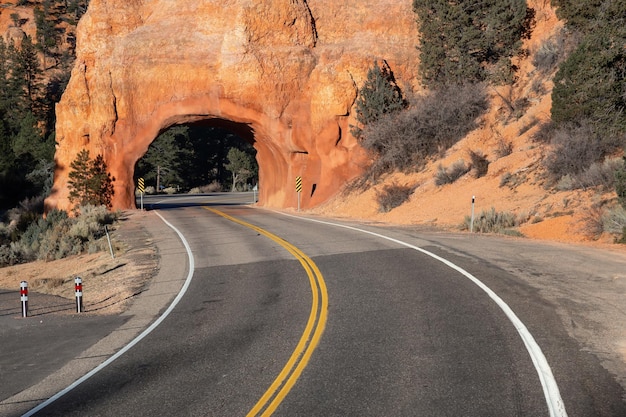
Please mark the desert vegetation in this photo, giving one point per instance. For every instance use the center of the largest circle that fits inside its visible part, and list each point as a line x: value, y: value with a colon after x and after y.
x: 583, y: 138
x: 28, y: 236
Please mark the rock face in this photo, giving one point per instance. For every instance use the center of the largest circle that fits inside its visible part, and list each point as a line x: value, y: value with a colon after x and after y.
x: 283, y: 74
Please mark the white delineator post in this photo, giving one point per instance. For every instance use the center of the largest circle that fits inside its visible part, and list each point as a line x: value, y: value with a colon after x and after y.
x: 78, y: 288
x: 24, y: 298
x: 472, y: 219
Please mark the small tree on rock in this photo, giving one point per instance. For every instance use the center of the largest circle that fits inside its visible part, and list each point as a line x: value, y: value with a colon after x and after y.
x: 89, y: 181
x: 379, y: 95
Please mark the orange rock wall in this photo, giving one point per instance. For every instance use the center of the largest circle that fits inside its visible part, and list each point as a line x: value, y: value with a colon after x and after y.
x: 285, y: 71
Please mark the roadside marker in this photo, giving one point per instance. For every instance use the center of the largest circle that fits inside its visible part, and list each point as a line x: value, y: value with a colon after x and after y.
x: 78, y: 288
x: 24, y: 298
x: 299, y: 189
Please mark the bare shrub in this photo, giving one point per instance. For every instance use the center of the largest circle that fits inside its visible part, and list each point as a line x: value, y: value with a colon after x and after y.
x: 545, y: 133
x: 480, y: 163
x: 213, y: 187
x: 576, y: 148
x: 451, y: 174
x: 614, y: 220
x: 550, y: 53
x: 393, y: 196
x: 58, y: 235
x: 599, y: 174
x: 506, y: 179
x: 433, y: 123
x: 504, y: 148
x: 491, y: 221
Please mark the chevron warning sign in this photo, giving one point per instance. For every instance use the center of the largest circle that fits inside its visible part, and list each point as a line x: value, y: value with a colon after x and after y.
x: 298, y: 184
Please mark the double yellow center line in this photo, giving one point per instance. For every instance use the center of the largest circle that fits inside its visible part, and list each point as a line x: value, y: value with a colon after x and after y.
x: 290, y: 373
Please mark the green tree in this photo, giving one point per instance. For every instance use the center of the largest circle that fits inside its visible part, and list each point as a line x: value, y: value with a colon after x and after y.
x: 46, y: 32
x: 166, y: 158
x: 590, y: 86
x: 241, y: 166
x: 467, y: 42
x: 579, y: 14
x: 89, y: 181
x: 77, y: 8
x: 380, y: 95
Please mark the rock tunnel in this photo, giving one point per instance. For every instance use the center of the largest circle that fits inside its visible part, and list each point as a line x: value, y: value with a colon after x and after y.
x: 285, y: 73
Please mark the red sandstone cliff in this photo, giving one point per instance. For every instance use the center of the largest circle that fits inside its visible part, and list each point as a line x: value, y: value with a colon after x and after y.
x: 283, y: 73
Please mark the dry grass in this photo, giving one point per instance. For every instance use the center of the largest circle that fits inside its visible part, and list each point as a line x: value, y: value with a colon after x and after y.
x: 109, y: 284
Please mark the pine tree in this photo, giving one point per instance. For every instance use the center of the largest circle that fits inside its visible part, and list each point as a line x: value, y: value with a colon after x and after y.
x: 89, y: 181
x: 590, y: 86
x: 469, y: 42
x: 162, y: 163
x: 379, y: 95
x: 46, y: 36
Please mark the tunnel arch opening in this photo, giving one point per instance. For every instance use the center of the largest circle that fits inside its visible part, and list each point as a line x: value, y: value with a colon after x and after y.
x: 204, y: 156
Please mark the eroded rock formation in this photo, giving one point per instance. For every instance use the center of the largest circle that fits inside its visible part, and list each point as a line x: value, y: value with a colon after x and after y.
x: 283, y: 73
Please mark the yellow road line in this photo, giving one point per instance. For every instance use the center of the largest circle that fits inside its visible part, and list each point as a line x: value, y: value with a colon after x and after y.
x: 290, y: 373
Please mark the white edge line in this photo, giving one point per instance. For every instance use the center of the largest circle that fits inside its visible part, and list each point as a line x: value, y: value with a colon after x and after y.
x: 548, y: 382
x: 137, y: 339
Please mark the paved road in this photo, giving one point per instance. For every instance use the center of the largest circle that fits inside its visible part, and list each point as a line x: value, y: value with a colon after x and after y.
x: 405, y: 334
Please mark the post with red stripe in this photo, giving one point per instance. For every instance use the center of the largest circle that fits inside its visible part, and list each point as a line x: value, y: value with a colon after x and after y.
x: 78, y: 287
x: 24, y: 298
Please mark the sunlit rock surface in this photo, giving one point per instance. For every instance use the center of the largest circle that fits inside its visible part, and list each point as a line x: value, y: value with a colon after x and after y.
x: 284, y: 74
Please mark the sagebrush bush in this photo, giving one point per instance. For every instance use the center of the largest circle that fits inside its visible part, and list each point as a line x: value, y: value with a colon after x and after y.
x: 480, y: 163
x: 392, y: 196
x: 550, y: 53
x: 58, y: 235
x: 599, y: 174
x: 576, y: 148
x: 452, y: 173
x: 614, y: 220
x: 504, y: 148
x: 404, y: 141
x: 491, y: 221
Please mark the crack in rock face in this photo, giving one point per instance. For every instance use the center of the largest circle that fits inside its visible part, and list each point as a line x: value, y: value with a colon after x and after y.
x: 284, y: 74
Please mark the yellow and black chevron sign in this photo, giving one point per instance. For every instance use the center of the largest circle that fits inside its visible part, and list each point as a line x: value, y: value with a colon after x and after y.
x: 298, y: 184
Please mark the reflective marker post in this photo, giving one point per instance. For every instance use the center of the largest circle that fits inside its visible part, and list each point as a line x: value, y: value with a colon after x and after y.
x: 78, y: 287
x: 472, y: 219
x: 24, y: 298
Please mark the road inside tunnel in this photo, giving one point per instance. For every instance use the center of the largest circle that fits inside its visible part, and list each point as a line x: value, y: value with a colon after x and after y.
x: 206, y: 156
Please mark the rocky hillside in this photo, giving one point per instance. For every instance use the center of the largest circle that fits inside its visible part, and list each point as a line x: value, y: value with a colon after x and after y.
x: 516, y: 181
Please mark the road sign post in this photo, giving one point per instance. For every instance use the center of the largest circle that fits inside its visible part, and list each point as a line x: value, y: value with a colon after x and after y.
x: 141, y: 186
x: 299, y: 189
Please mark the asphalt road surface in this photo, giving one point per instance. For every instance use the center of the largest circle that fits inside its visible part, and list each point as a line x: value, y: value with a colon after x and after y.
x: 293, y: 317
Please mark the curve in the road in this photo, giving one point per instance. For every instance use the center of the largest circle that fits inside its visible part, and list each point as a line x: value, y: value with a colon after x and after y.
x: 137, y: 339
x: 550, y: 388
x: 290, y: 373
